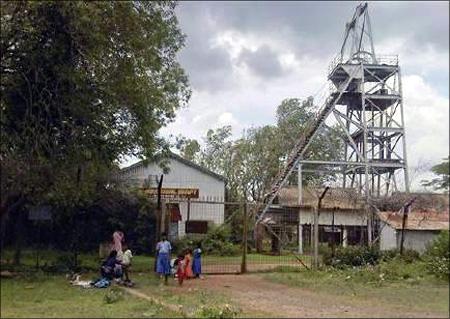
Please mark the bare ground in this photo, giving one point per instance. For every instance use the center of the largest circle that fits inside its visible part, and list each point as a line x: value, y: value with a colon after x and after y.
x: 257, y: 295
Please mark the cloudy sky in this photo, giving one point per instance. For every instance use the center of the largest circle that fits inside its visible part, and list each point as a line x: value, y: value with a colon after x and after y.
x: 244, y: 58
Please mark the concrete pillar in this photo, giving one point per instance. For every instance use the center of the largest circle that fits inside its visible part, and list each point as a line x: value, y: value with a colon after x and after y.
x: 316, y: 238
x: 300, y: 201
x: 300, y: 238
x: 344, y: 237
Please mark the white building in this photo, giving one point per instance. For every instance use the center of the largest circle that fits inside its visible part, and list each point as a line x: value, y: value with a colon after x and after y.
x: 420, y: 229
x: 341, y: 208
x: 186, y: 188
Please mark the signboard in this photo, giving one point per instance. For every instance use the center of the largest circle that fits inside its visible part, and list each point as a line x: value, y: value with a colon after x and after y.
x: 40, y: 213
x: 173, y: 192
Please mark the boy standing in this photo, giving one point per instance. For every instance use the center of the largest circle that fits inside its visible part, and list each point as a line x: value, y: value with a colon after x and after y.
x: 163, y: 249
x: 126, y: 261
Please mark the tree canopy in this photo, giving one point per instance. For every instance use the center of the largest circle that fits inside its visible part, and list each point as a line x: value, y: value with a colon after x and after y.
x: 83, y: 84
x: 251, y: 162
x: 441, y: 182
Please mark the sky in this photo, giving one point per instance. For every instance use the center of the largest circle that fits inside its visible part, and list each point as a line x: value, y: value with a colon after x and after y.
x: 244, y: 58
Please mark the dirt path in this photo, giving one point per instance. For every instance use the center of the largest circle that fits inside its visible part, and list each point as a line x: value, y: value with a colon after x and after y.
x: 141, y: 295
x: 253, y: 293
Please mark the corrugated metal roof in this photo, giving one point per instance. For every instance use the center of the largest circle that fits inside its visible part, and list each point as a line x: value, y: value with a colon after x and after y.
x: 422, y: 220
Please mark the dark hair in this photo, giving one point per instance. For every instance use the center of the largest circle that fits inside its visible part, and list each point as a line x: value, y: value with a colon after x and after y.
x: 113, y: 253
x: 163, y: 235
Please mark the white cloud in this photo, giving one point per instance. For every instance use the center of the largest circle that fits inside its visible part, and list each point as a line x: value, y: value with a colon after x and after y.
x: 427, y: 124
x: 226, y: 118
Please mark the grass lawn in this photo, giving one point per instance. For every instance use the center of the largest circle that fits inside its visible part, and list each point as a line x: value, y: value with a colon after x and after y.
x: 53, y: 296
x: 409, y: 288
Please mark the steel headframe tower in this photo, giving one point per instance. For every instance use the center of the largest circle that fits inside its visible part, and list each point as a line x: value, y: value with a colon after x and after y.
x: 367, y: 104
x: 370, y: 115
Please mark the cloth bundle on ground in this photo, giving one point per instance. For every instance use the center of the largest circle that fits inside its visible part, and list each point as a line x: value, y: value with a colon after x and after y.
x: 101, y: 283
x: 97, y: 283
x: 81, y: 283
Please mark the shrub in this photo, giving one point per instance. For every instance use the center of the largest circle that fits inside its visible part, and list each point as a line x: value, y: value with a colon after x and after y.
x: 438, y: 255
x: 113, y: 295
x: 352, y: 256
x: 188, y: 241
x: 216, y: 242
x: 409, y: 255
x: 225, y: 311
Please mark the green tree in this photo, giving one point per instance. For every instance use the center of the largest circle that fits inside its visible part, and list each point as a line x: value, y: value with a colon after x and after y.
x: 441, y: 182
x: 83, y: 84
x: 188, y: 148
x: 251, y: 162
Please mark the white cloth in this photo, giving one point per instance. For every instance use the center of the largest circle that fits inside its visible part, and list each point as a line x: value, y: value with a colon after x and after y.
x: 119, y: 256
x: 126, y: 258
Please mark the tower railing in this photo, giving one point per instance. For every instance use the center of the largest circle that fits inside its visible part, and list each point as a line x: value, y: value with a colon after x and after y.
x: 384, y: 59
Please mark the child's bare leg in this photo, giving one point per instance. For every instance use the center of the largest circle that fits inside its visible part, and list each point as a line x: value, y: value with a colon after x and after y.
x: 166, y: 278
x: 125, y: 271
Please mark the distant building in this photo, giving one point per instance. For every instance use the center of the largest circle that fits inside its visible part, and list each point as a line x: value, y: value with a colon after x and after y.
x: 420, y: 229
x: 343, y: 221
x: 185, y: 190
x: 341, y: 208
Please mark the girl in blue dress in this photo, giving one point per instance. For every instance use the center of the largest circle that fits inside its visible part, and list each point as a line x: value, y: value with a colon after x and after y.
x: 197, y: 261
x: 163, y: 249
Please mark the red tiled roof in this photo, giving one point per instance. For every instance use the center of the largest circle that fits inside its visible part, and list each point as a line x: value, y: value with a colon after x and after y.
x: 421, y: 220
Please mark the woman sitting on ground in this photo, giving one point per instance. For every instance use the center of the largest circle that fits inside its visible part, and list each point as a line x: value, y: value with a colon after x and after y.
x: 111, y: 267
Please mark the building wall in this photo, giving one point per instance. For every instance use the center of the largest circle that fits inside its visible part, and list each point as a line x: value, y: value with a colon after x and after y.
x: 414, y: 239
x: 388, y: 237
x: 417, y: 239
x: 185, y: 176
x: 341, y: 217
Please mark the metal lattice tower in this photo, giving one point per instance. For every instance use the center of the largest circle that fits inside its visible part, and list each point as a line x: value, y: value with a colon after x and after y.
x: 369, y: 112
x: 367, y: 103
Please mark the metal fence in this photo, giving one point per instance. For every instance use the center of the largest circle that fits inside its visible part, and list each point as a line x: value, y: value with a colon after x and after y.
x: 228, y: 238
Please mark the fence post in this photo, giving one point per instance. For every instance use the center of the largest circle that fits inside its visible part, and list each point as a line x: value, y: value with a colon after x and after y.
x: 244, y: 240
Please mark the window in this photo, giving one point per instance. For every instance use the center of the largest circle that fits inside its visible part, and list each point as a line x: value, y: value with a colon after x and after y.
x: 197, y: 226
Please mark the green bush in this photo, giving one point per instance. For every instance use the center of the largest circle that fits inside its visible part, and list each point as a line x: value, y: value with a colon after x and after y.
x: 352, y: 256
x: 409, y: 255
x: 188, y: 241
x: 400, y: 268
x: 113, y: 295
x: 438, y: 256
x: 216, y: 242
x: 225, y: 311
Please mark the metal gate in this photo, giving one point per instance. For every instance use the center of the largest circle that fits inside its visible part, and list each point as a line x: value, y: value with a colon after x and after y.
x: 225, y: 233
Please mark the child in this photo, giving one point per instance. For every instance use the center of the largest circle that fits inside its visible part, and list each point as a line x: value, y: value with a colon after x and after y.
x: 197, y: 261
x: 126, y: 261
x: 188, y: 260
x: 163, y: 249
x: 181, y: 268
